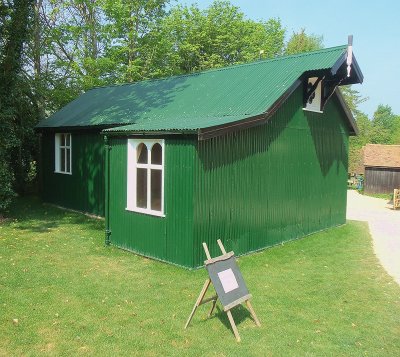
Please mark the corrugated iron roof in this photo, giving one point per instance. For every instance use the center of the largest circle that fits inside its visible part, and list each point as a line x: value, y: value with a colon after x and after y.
x: 195, y: 101
x: 377, y: 155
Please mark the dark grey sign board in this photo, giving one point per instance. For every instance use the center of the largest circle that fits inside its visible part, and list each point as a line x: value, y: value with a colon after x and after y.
x: 229, y: 285
x: 228, y: 281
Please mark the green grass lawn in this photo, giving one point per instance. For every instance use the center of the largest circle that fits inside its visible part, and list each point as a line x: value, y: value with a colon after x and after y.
x: 324, y: 295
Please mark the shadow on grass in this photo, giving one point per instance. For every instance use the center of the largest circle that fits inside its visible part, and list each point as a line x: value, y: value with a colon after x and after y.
x: 239, y: 314
x: 30, y: 214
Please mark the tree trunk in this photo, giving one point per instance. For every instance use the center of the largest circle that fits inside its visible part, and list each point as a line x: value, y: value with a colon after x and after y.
x: 37, y: 63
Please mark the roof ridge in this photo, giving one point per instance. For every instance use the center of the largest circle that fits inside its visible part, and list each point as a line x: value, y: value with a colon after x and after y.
x: 253, y: 63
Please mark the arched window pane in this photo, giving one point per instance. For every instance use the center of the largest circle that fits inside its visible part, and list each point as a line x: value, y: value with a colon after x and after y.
x: 142, y: 154
x: 156, y: 154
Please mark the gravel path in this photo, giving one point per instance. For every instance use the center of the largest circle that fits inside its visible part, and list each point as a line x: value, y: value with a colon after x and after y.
x: 384, y: 225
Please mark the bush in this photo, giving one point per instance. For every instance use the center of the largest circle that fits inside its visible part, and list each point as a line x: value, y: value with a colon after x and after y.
x: 6, y: 182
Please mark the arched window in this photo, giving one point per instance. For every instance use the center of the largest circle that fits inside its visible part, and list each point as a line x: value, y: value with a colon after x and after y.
x: 145, y: 188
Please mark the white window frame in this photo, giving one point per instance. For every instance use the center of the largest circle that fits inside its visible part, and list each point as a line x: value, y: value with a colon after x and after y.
x: 57, y: 149
x: 315, y: 106
x: 133, y: 165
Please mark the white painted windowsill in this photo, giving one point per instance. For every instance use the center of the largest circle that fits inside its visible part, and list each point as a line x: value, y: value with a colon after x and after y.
x: 64, y: 173
x: 145, y: 211
x: 314, y: 111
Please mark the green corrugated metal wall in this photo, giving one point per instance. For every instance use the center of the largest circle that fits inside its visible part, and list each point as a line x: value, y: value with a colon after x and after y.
x: 166, y: 238
x: 272, y: 183
x: 84, y: 189
x: 253, y: 188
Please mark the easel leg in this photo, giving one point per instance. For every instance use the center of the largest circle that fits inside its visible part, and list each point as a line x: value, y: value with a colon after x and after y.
x: 252, y: 312
x: 212, y: 307
x: 234, y: 328
x: 198, y: 301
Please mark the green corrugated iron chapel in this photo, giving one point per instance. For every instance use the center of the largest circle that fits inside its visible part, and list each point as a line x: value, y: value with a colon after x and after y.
x: 254, y: 154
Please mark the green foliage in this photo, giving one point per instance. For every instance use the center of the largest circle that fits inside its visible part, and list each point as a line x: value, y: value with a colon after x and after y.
x: 17, y: 102
x: 218, y: 36
x: 120, y: 41
x: 384, y: 128
x: 133, y: 24
x: 301, y: 42
x: 353, y: 98
x: 94, y: 43
x: 6, y: 190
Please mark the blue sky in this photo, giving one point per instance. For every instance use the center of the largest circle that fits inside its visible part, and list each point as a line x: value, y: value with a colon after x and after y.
x: 375, y: 26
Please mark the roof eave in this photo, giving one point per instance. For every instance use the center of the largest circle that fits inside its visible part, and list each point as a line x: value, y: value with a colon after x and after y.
x: 97, y: 128
x: 357, y: 69
x: 217, y: 130
x: 148, y: 132
x: 348, y: 113
x: 210, y: 132
x: 355, y: 77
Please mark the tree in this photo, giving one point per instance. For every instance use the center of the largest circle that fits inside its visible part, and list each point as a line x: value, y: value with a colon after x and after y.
x: 357, y: 142
x: 385, y: 126
x: 301, y: 42
x: 353, y: 98
x: 395, y: 137
x: 98, y: 42
x: 72, y: 37
x: 131, y: 24
x: 194, y: 39
x: 15, y: 98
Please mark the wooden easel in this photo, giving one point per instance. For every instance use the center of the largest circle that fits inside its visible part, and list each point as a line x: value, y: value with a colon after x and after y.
x: 200, y: 300
x: 396, y: 198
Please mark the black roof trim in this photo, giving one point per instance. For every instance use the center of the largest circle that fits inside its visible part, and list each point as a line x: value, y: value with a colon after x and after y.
x: 358, y: 78
x: 357, y: 69
x: 64, y: 129
x: 347, y: 111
